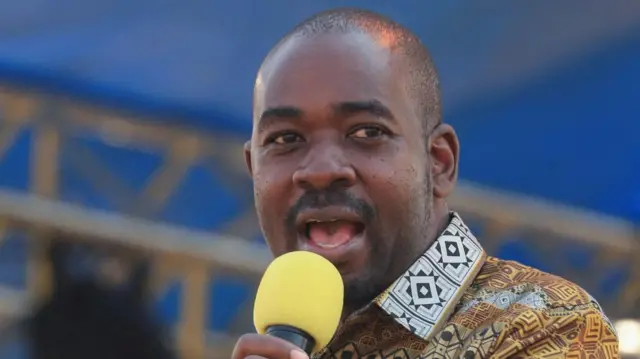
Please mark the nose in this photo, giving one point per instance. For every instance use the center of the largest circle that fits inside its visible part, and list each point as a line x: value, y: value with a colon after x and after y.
x: 324, y: 168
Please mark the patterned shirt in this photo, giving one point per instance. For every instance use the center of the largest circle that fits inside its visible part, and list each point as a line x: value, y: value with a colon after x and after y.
x: 456, y: 302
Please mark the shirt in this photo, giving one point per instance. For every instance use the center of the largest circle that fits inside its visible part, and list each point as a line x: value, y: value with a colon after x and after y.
x: 457, y: 302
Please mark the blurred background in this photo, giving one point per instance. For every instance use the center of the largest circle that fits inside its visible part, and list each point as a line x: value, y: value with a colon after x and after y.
x: 122, y: 125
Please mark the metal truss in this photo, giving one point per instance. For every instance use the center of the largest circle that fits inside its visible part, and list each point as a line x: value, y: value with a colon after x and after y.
x: 550, y: 232
x: 55, y: 123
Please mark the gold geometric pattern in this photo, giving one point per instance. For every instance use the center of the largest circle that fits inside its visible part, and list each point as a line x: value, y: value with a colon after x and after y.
x: 506, y: 310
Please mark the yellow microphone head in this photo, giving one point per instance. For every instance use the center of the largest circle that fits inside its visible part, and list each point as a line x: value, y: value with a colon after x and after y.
x: 302, y: 290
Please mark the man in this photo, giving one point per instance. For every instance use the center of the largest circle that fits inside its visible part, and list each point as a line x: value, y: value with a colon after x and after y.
x: 350, y: 159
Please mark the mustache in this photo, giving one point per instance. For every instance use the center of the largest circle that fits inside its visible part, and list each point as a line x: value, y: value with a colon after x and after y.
x: 318, y: 199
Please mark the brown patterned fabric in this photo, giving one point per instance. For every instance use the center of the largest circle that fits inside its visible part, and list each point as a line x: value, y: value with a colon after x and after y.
x: 455, y: 302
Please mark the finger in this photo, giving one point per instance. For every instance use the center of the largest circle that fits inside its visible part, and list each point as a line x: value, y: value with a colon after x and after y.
x: 267, y: 347
x: 298, y: 354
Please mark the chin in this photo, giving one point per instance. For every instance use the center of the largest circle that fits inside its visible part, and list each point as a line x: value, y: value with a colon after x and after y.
x: 360, y: 290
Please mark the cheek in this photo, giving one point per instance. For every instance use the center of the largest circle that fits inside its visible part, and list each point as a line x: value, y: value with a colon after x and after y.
x: 393, y: 184
x: 390, y: 177
x: 270, y: 180
x: 272, y: 192
x: 268, y: 194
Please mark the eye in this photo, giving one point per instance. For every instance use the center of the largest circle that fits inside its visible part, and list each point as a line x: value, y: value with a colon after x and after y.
x: 285, y: 138
x: 368, y: 132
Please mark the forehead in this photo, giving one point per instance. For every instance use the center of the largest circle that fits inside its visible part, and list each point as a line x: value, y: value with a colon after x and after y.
x: 315, y: 72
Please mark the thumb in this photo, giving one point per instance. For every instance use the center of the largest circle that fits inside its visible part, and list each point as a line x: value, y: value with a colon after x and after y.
x: 298, y: 354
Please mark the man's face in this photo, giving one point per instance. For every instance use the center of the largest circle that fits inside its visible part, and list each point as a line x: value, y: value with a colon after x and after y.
x: 338, y: 159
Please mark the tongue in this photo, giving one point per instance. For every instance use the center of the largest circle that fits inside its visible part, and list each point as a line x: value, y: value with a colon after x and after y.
x: 332, y: 234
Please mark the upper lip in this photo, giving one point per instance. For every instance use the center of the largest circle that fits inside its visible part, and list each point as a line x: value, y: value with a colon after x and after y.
x: 326, y: 214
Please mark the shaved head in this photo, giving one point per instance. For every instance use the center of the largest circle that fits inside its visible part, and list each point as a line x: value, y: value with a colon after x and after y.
x: 422, y: 78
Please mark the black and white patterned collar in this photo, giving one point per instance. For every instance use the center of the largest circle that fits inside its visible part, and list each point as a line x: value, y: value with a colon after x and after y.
x: 425, y: 296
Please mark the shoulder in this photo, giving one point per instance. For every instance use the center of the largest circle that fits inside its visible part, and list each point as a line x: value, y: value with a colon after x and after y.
x: 508, y: 289
x: 525, y: 309
x: 499, y: 275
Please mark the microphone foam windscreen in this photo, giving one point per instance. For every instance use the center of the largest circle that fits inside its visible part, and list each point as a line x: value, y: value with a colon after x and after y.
x: 302, y: 290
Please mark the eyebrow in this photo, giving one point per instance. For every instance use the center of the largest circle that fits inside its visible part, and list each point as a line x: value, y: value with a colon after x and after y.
x: 346, y: 108
x: 373, y: 107
x: 273, y: 114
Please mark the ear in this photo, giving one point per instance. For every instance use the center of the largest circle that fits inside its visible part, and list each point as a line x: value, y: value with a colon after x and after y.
x: 247, y: 157
x: 444, y: 150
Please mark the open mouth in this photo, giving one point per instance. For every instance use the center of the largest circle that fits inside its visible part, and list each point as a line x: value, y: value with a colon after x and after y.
x: 330, y: 229
x: 333, y: 233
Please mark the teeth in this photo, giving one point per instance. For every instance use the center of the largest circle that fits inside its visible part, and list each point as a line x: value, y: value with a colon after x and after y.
x: 327, y: 246
x: 319, y: 221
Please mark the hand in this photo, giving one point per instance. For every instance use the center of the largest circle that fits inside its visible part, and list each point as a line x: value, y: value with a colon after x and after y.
x: 257, y: 346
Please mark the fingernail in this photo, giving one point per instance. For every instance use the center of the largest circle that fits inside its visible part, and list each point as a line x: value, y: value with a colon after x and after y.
x: 298, y: 354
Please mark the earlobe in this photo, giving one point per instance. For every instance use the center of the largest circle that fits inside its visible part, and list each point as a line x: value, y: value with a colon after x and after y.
x: 247, y: 157
x: 444, y: 150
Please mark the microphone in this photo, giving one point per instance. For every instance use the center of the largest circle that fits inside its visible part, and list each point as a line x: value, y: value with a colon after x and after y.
x: 300, y: 300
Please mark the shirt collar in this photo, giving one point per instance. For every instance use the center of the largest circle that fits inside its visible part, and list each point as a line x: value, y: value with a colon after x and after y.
x: 425, y: 296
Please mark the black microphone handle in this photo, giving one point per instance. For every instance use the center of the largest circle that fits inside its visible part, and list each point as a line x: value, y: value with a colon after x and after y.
x: 294, y: 336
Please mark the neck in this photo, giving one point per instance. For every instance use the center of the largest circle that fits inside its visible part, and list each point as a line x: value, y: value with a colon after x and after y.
x: 440, y: 219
